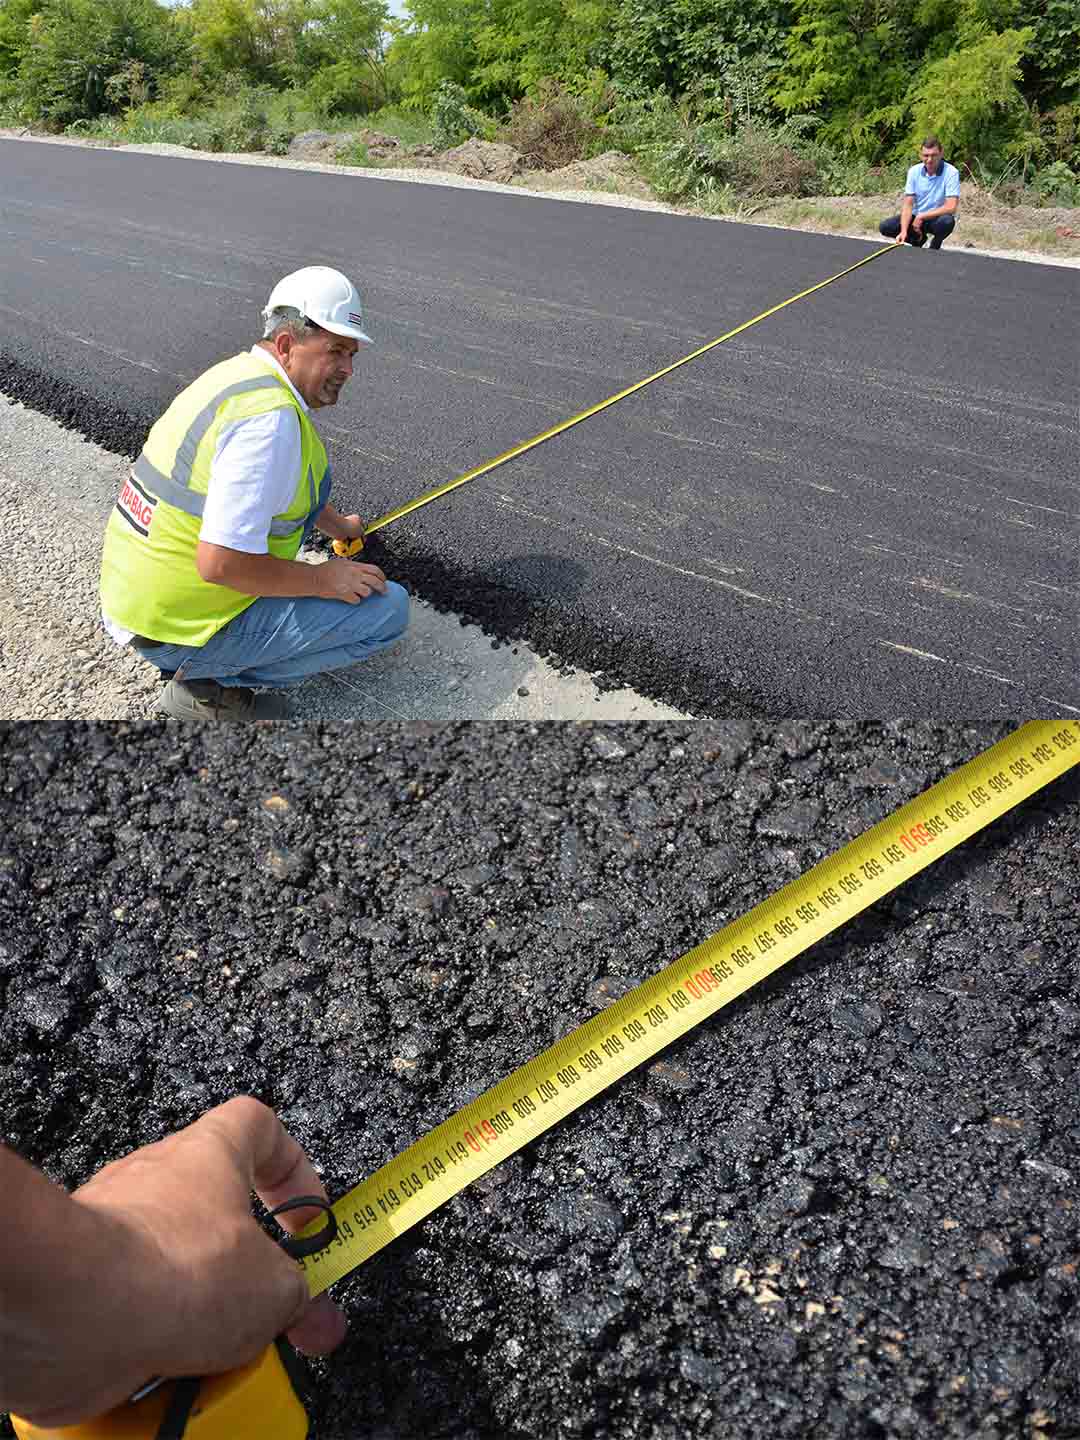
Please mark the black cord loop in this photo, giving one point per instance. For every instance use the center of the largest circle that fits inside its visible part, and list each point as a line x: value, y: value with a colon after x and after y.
x: 297, y: 1246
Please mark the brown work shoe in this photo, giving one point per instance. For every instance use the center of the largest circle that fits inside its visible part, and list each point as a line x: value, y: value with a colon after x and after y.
x: 210, y: 703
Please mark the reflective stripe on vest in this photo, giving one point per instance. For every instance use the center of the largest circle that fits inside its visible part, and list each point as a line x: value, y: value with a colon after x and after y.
x: 185, y: 454
x: 192, y: 502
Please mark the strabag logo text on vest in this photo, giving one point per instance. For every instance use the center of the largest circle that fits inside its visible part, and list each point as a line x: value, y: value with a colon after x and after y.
x: 136, y: 505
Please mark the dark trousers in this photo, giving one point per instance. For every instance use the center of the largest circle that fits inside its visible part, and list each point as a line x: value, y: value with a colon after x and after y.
x: 939, y: 229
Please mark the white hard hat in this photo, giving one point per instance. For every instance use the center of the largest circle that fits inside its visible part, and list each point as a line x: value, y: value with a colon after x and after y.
x: 323, y: 296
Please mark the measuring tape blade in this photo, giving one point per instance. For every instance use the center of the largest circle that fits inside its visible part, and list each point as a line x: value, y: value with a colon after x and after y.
x: 440, y: 490
x: 697, y: 985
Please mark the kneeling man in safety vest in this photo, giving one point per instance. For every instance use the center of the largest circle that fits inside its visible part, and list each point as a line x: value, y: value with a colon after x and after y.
x: 199, y: 571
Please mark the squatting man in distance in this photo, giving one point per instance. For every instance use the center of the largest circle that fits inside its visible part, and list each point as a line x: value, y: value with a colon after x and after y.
x: 931, y: 197
x: 199, y: 571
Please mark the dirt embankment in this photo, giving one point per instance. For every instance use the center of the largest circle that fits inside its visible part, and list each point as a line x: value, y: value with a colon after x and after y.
x: 476, y: 160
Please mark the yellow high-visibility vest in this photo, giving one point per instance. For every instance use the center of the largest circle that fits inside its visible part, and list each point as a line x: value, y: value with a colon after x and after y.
x: 149, y: 580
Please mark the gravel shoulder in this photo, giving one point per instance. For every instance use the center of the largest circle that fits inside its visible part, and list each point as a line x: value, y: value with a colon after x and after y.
x: 57, y: 662
x: 826, y: 216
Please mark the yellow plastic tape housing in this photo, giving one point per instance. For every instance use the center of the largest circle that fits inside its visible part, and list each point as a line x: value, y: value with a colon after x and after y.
x: 256, y: 1402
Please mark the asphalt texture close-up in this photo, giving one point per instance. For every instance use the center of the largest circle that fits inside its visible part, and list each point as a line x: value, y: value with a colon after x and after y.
x: 863, y: 505
x: 845, y: 1206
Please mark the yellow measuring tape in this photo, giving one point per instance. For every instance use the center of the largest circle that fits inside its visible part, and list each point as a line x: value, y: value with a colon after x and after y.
x: 353, y: 547
x: 605, y: 1048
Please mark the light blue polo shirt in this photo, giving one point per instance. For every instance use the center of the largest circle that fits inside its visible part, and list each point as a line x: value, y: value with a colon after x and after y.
x: 931, y: 191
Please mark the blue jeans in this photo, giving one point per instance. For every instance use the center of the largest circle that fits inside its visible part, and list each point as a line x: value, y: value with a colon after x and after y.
x: 283, y: 641
x: 938, y: 229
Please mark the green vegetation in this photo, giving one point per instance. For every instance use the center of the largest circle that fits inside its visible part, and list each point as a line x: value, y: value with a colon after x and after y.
x: 722, y: 103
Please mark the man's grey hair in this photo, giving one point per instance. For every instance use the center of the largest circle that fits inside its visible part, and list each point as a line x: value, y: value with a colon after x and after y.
x: 284, y: 317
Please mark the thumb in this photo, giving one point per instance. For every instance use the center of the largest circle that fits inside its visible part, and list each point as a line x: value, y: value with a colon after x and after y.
x: 318, y: 1327
x: 267, y: 1297
x: 313, y: 1326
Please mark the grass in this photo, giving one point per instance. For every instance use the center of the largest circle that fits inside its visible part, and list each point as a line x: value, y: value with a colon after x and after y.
x: 1047, y: 240
x: 819, y: 213
x: 355, y: 154
x: 978, y: 235
x: 231, y: 124
x: 410, y: 127
x: 404, y: 125
x: 864, y: 219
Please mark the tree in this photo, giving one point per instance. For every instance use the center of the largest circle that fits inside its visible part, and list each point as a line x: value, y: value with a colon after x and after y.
x: 14, y: 33
x: 231, y: 37
x: 497, y: 50
x: 436, y: 43
x: 852, y: 62
x: 689, y: 46
x: 524, y: 42
x: 971, y: 99
x: 341, y: 54
x: 77, y: 46
x: 1051, y: 64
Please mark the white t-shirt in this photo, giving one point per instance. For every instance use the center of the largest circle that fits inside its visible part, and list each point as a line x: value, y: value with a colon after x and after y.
x: 252, y: 479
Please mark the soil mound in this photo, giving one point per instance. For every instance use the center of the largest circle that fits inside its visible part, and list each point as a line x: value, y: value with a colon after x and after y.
x: 318, y: 145
x: 482, y: 160
x: 610, y: 171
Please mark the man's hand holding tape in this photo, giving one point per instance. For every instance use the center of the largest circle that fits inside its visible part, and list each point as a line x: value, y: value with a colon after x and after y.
x: 154, y: 1267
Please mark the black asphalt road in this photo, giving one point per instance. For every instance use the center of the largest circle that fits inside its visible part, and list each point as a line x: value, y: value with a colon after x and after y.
x: 845, y: 1207
x: 865, y: 505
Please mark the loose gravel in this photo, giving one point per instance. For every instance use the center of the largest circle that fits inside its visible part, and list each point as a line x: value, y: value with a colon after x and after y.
x: 56, y: 661
x: 845, y: 1207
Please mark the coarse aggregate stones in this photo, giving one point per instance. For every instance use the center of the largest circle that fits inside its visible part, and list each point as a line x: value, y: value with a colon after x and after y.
x: 56, y: 661
x: 844, y: 1207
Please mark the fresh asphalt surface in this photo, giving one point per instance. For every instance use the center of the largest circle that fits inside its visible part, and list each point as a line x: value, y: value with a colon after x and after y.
x: 844, y: 1207
x: 863, y: 506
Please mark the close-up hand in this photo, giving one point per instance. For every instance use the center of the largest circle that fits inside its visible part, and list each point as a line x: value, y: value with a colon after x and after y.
x: 351, y: 580
x: 177, y: 1276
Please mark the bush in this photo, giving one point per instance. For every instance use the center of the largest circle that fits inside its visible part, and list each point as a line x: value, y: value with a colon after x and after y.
x: 551, y: 129
x: 453, y: 118
x: 1061, y: 131
x: 11, y: 110
x: 184, y: 93
x: 706, y: 163
x: 279, y: 138
x: 1057, y: 185
x: 345, y: 88
x: 248, y: 125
